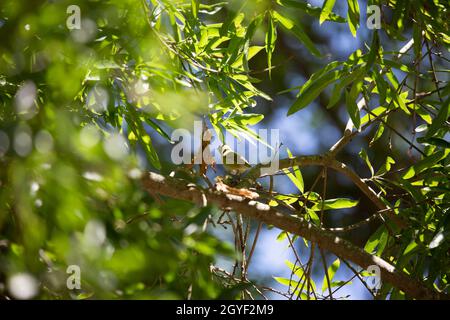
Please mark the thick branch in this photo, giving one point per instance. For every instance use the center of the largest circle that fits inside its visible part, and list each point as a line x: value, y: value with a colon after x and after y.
x: 179, y: 189
x: 328, y: 161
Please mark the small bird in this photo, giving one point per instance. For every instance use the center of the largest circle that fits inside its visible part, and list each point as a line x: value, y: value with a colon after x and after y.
x: 233, y: 162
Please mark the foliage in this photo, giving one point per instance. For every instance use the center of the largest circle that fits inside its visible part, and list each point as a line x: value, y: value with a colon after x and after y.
x: 83, y: 112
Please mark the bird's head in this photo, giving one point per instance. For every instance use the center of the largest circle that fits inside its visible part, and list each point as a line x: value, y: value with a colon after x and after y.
x: 225, y: 149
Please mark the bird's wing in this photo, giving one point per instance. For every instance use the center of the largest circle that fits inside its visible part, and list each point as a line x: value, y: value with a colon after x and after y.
x: 237, y: 159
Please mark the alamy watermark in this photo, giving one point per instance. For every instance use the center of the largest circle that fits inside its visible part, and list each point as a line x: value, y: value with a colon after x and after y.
x: 374, y: 280
x: 74, y: 280
x: 373, y: 17
x: 73, y: 22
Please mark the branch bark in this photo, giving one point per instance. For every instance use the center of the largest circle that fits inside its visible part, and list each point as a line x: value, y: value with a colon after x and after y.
x: 179, y: 189
x: 330, y: 162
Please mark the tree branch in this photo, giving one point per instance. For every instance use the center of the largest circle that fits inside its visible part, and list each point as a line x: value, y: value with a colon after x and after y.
x: 328, y: 161
x: 179, y: 189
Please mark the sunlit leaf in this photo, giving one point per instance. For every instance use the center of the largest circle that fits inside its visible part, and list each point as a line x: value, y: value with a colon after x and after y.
x: 327, y: 8
x: 338, y: 203
x: 353, y: 16
x: 271, y: 38
x: 332, y: 269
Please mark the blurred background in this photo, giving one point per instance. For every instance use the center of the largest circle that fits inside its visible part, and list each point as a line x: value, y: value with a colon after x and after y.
x: 71, y: 153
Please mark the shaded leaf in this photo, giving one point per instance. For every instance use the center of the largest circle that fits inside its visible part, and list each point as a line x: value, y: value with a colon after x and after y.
x: 299, y: 33
x: 312, y: 91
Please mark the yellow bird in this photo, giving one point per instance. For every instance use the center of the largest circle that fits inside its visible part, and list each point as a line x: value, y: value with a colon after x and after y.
x: 233, y: 162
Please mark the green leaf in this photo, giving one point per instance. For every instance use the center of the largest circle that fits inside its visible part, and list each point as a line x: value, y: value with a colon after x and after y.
x: 387, y: 166
x: 356, y: 58
x: 374, y: 240
x: 373, y: 113
x: 410, y: 248
x: 400, y: 101
x: 271, y: 38
x: 417, y: 36
x: 355, y: 75
x: 316, y: 75
x: 374, y: 50
x: 353, y: 16
x: 252, y: 51
x: 378, y: 134
x: 352, y: 106
x: 365, y: 157
x: 314, y: 217
x: 340, y: 283
x: 331, y: 272
x: 243, y: 80
x: 381, y: 86
x: 158, y: 128
x: 434, y: 141
x: 195, y: 7
x: 247, y: 119
x: 297, y: 30
x: 312, y: 91
x: 327, y: 8
x: 240, y: 130
x: 297, y: 177
x: 149, y: 149
x: 296, y: 269
x: 425, y: 163
x: 139, y: 131
x: 254, y: 26
x: 423, y: 114
x: 286, y: 282
x: 393, y: 80
x: 310, y: 9
x: 338, y: 203
x: 397, y: 65
x: 383, y: 242
x: 442, y: 116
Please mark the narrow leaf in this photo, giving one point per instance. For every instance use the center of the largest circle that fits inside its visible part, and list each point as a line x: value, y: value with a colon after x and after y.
x: 331, y: 272
x: 353, y: 16
x: 338, y: 203
x: 298, y: 32
x: 327, y: 8
x: 442, y: 116
x: 271, y: 38
x: 195, y: 6
x: 352, y: 107
x: 365, y: 157
x: 310, y: 93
